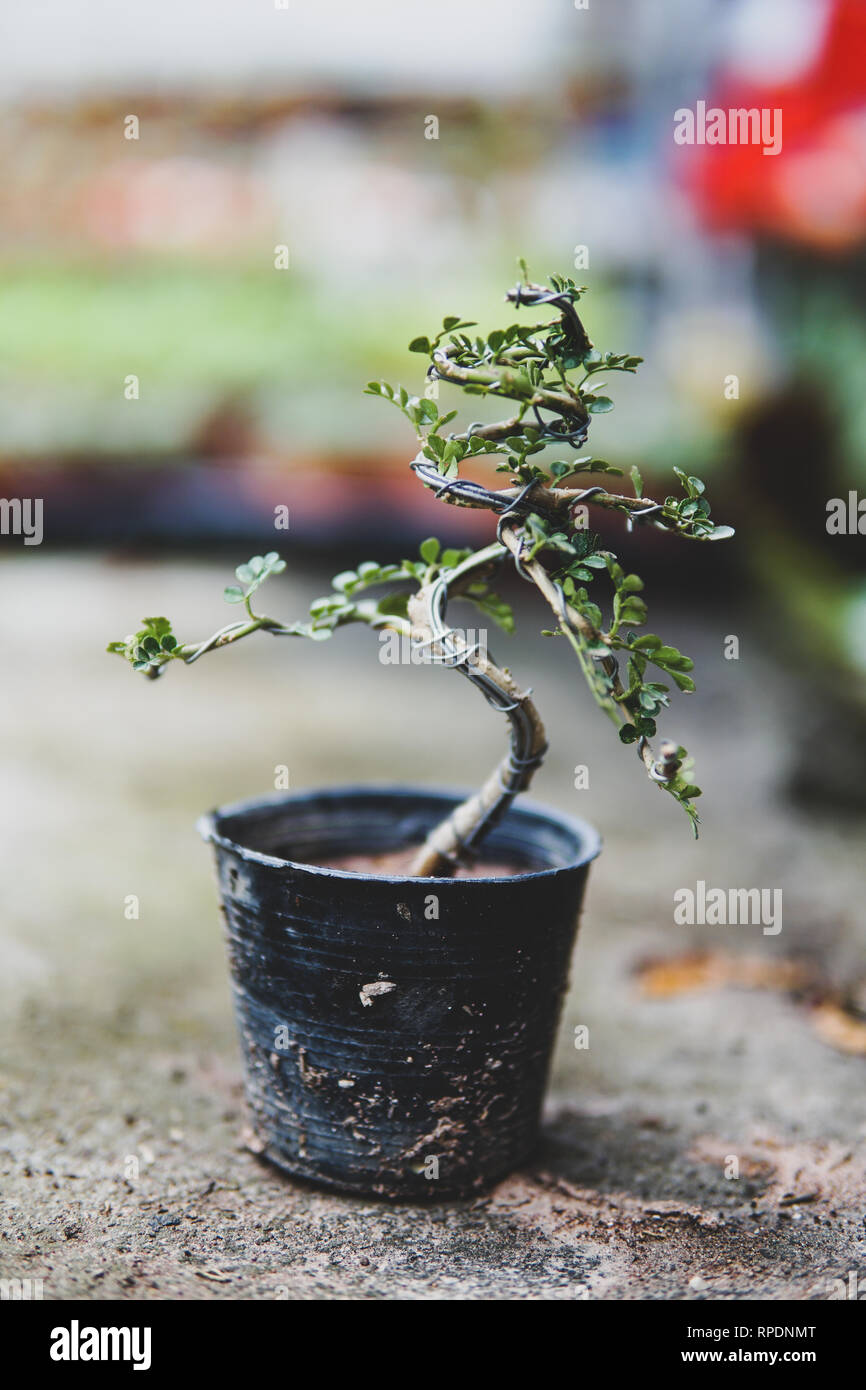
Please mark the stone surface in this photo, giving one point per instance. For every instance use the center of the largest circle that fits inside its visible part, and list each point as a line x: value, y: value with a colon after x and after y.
x: 124, y: 1173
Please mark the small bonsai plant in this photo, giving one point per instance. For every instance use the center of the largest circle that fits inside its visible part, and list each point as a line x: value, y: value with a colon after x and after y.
x: 397, y: 1028
x: 550, y: 372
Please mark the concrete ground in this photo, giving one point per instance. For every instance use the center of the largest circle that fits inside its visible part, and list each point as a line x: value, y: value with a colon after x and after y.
x: 708, y: 1144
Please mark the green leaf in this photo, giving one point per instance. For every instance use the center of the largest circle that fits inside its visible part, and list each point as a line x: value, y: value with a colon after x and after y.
x: 633, y: 611
x: 429, y: 550
x: 637, y: 480
x: 672, y: 660
x: 494, y: 607
x: 628, y: 734
x: 421, y: 345
x: 449, y: 558
x: 719, y: 533
x: 394, y: 605
x: 245, y: 574
x: 599, y: 405
x: 683, y: 681
x: 232, y: 594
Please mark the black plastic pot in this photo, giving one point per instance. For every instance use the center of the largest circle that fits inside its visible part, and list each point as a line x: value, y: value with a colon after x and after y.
x: 396, y: 1032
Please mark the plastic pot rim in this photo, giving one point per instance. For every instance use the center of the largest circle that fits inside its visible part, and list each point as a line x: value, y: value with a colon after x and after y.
x: 588, y: 837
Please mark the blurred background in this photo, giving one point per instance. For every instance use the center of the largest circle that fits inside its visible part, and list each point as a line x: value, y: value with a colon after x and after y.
x: 239, y: 206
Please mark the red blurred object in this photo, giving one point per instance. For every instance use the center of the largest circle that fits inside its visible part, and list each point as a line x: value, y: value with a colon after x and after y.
x: 814, y: 190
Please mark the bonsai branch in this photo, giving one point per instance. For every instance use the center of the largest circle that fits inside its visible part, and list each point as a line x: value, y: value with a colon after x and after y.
x: 584, y: 637
x: 554, y: 503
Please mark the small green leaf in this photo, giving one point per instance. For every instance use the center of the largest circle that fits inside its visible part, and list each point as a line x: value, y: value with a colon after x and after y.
x: 628, y: 733
x: 683, y: 681
x: 599, y: 405
x: 689, y: 791
x: 394, y: 605
x: 449, y: 558
x: 232, y: 594
x: 633, y: 611
x: 421, y: 345
x: 429, y: 550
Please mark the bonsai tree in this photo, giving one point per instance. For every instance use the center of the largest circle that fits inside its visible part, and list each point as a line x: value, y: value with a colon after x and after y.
x: 550, y: 373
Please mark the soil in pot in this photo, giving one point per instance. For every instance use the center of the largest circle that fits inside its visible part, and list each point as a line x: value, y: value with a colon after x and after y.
x: 396, y: 864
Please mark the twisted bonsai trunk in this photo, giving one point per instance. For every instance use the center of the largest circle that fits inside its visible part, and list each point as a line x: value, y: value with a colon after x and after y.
x: 458, y: 836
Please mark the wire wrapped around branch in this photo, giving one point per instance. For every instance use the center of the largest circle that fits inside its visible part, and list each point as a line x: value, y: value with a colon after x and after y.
x: 458, y: 837
x: 552, y: 502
